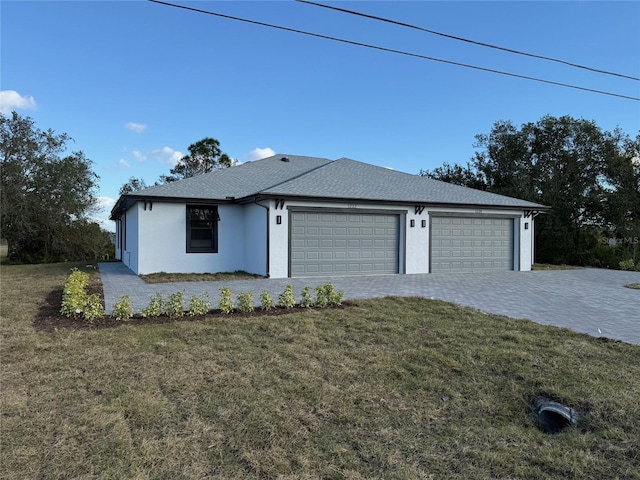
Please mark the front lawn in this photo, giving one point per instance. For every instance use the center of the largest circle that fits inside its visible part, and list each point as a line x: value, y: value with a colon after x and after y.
x: 390, y: 388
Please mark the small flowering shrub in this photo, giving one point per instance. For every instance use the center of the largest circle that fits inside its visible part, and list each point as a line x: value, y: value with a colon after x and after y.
x: 199, y: 305
x: 173, y: 306
x: 225, y: 304
x: 122, y: 310
x: 155, y: 307
x: 287, y: 299
x: 245, y: 302
x: 74, y: 296
x: 307, y: 299
x: 266, y: 301
x: 93, y: 308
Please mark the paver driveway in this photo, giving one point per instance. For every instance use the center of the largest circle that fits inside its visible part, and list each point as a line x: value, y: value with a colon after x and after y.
x: 592, y: 301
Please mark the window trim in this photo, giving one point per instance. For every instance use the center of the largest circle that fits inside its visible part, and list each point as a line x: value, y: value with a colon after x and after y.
x: 214, y: 228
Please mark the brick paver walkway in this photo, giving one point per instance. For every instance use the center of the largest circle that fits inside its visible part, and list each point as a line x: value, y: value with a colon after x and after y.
x: 592, y: 301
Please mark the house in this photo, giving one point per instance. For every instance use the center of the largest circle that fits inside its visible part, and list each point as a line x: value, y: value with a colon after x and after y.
x: 294, y: 216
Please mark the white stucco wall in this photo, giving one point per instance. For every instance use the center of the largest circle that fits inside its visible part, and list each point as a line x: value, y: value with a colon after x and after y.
x: 156, y: 237
x: 278, y: 242
x: 118, y: 240
x: 130, y: 240
x: 526, y: 243
x: 255, y: 239
x: 163, y: 240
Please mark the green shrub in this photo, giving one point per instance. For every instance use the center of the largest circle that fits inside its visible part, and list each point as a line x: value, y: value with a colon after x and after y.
x: 334, y: 298
x: 321, y: 298
x: 627, y: 264
x: 287, y: 299
x: 199, y: 305
x: 93, y: 308
x: 225, y: 304
x: 155, y: 307
x: 174, y: 306
x: 122, y: 310
x: 307, y: 299
x: 74, y: 296
x: 326, y: 295
x: 245, y: 302
x: 76, y: 300
x: 266, y: 301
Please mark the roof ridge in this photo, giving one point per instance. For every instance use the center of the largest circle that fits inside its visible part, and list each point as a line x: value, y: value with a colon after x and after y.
x: 329, y: 162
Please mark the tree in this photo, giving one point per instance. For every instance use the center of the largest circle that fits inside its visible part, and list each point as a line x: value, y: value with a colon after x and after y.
x: 133, y: 185
x: 457, y: 175
x: 204, y: 156
x: 583, y: 173
x: 45, y: 196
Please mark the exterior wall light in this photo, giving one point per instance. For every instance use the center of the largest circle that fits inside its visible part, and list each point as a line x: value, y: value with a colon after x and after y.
x: 279, y: 219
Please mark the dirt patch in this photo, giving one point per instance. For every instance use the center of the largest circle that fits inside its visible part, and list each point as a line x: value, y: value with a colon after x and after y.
x: 49, y: 318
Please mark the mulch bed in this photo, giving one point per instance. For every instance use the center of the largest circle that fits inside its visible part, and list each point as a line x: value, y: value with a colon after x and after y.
x: 49, y: 318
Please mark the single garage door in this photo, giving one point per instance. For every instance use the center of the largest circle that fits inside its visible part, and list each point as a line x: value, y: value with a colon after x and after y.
x: 471, y: 244
x: 336, y: 243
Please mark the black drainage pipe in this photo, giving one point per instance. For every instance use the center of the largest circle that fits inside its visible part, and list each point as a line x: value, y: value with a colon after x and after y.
x: 553, y: 417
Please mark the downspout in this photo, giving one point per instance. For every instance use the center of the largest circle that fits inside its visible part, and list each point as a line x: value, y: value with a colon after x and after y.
x: 255, y: 200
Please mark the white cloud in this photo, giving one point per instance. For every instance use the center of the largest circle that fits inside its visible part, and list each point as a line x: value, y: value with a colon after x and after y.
x: 135, y: 127
x: 122, y: 164
x: 105, y: 203
x: 103, y: 206
x: 259, y: 153
x: 167, y: 155
x: 138, y: 155
x: 12, y: 100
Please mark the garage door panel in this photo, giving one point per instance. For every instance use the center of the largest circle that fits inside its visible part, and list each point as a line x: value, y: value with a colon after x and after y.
x: 467, y: 243
x: 344, y: 244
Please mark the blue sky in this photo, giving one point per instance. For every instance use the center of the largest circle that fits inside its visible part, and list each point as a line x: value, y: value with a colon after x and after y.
x: 135, y: 83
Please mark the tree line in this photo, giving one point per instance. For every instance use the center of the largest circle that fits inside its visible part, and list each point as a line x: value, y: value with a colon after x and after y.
x: 588, y: 176
x: 47, y: 196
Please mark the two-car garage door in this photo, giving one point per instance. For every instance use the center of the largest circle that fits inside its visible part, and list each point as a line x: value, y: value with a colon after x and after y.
x: 471, y: 244
x: 346, y: 243
x: 343, y: 243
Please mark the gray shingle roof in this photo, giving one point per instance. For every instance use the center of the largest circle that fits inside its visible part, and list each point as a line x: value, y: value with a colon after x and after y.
x: 313, y: 177
x: 240, y: 181
x: 350, y: 179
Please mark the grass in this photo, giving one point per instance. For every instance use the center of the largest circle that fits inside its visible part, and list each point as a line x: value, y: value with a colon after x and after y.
x: 549, y: 266
x: 396, y: 388
x: 164, y: 277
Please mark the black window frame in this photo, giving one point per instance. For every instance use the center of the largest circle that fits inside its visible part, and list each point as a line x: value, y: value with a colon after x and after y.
x: 213, y: 218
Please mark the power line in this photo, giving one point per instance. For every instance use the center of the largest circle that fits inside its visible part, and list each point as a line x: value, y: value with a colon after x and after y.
x: 391, y: 50
x: 504, y: 49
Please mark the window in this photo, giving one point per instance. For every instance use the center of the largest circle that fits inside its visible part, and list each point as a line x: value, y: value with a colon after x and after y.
x: 202, y: 229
